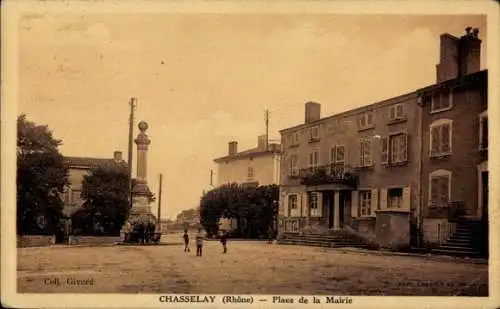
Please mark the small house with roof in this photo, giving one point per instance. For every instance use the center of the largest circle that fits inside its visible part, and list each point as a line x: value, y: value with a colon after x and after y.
x: 78, y: 167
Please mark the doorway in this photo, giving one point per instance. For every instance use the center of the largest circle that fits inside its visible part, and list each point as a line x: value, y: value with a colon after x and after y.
x: 484, y: 189
x: 330, y: 202
x: 345, y: 205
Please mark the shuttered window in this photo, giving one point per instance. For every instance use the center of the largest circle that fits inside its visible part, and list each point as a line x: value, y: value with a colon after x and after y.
x: 365, y: 202
x: 440, y: 185
x: 441, y: 137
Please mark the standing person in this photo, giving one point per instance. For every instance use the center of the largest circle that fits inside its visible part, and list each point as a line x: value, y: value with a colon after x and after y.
x: 223, y: 241
x: 199, y: 243
x: 186, y: 241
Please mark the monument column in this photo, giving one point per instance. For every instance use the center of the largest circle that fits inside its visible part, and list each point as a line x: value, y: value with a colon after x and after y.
x: 140, y: 192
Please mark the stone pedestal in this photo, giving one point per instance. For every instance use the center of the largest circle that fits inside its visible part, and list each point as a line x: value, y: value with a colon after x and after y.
x: 141, y: 208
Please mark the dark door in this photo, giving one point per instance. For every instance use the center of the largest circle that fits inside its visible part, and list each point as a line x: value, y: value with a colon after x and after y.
x: 484, y: 184
x: 345, y: 205
x: 331, y: 213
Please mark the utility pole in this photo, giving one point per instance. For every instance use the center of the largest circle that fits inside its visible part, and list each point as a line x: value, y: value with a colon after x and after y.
x: 159, y: 202
x: 267, y: 128
x: 211, y: 178
x: 133, y: 106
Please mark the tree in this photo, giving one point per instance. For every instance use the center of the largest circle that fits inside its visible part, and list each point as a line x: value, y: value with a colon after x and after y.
x: 41, y: 178
x: 254, y: 208
x: 106, y: 194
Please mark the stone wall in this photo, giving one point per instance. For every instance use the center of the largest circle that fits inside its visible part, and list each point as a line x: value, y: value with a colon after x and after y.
x: 437, y: 230
x: 44, y: 240
x: 34, y: 241
x: 393, y: 229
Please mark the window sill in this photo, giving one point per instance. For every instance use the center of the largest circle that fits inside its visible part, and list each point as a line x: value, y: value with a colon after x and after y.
x: 395, y: 164
x: 366, y: 128
x: 440, y: 156
x: 366, y: 167
x: 441, y: 110
x: 397, y: 120
x: 366, y: 218
x: 313, y: 140
x: 293, y: 145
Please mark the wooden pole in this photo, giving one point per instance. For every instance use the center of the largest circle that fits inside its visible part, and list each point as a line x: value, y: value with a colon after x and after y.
x: 159, y: 202
x: 133, y: 106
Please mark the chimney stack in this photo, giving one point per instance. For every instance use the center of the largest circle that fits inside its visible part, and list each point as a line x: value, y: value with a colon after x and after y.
x: 313, y: 112
x: 262, y: 142
x: 459, y: 56
x: 233, y: 148
x: 117, y: 156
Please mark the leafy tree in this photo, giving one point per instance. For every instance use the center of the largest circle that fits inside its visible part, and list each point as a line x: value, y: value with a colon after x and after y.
x: 106, y: 195
x: 41, y: 178
x: 254, y: 208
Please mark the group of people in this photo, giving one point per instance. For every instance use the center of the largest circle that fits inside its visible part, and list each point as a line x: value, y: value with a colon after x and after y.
x: 199, y: 242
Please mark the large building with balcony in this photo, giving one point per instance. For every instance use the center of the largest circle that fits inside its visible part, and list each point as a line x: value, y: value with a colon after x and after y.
x: 402, y: 172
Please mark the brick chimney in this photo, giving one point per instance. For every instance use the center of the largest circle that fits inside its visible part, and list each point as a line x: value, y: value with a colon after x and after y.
x: 262, y: 141
x: 118, y: 156
x: 313, y: 112
x: 470, y: 52
x: 459, y: 56
x: 233, y: 148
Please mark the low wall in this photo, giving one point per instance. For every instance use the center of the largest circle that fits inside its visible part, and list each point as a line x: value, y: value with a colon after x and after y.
x: 26, y: 241
x: 34, y: 241
x: 393, y: 229
x: 437, y: 230
x: 94, y: 240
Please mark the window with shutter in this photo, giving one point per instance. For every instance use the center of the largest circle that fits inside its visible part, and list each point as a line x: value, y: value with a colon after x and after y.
x: 439, y: 189
x: 399, y: 111
x: 355, y: 204
x: 369, y: 119
x: 365, y: 201
x: 384, y: 158
x: 441, y: 101
x: 374, y: 202
x: 404, y: 145
x: 332, y: 155
x: 395, y: 197
x: 339, y: 154
x: 366, y: 152
x: 362, y: 121
x: 441, y: 137
x: 445, y: 138
x: 383, y: 198
x: 392, y: 112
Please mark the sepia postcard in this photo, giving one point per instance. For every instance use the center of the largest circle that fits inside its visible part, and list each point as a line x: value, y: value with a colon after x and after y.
x: 234, y: 154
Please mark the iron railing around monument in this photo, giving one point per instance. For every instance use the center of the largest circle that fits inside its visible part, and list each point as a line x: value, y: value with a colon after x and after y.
x: 328, y: 174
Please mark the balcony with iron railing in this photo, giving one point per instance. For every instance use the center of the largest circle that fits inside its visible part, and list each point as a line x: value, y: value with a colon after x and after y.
x: 328, y: 174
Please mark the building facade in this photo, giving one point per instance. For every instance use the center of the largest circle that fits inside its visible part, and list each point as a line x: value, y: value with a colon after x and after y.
x: 338, y: 171
x: 378, y: 171
x: 78, y: 167
x: 455, y: 139
x: 257, y: 166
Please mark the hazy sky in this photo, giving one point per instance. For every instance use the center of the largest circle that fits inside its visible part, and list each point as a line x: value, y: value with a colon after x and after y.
x: 203, y: 80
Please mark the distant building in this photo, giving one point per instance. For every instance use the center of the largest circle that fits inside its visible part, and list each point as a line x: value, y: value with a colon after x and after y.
x: 257, y: 166
x: 78, y: 167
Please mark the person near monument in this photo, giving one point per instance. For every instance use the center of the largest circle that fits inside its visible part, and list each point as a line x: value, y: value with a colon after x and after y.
x: 186, y: 241
x: 223, y: 241
x: 199, y: 243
